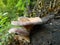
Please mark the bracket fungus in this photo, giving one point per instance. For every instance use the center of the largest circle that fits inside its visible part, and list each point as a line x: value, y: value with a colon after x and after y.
x: 27, y: 24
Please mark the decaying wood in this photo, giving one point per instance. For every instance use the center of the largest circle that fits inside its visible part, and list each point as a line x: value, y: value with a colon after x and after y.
x: 47, y: 18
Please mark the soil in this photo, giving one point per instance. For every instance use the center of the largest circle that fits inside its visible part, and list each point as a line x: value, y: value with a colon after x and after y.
x: 46, y: 34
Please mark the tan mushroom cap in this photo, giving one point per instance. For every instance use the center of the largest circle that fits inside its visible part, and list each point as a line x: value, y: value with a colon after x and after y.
x: 22, y: 21
x: 26, y: 21
x: 19, y: 31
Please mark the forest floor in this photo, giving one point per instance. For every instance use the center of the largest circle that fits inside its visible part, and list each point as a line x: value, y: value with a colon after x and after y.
x: 47, y: 34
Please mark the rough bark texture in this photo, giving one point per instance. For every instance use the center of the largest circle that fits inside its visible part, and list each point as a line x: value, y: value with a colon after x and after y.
x: 47, y: 34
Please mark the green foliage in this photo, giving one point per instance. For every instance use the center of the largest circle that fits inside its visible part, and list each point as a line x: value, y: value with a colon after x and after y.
x: 8, y: 39
x: 14, y: 6
x: 4, y: 23
x: 2, y: 5
x: 10, y: 10
x: 21, y: 5
x: 3, y: 20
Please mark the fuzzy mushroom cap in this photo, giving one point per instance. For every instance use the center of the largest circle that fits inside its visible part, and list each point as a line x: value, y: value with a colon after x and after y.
x: 26, y: 21
x: 19, y: 31
x: 32, y: 20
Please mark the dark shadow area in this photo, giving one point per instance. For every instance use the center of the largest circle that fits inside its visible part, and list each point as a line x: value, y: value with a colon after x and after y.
x: 47, y: 34
x: 37, y: 28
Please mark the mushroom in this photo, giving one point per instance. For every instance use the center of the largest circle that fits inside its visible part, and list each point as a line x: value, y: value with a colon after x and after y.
x: 19, y: 31
x: 23, y: 21
x: 27, y: 24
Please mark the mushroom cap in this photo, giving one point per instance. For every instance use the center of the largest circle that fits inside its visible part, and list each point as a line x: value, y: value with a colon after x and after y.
x: 26, y: 21
x: 23, y: 21
x: 20, y: 23
x: 19, y: 31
